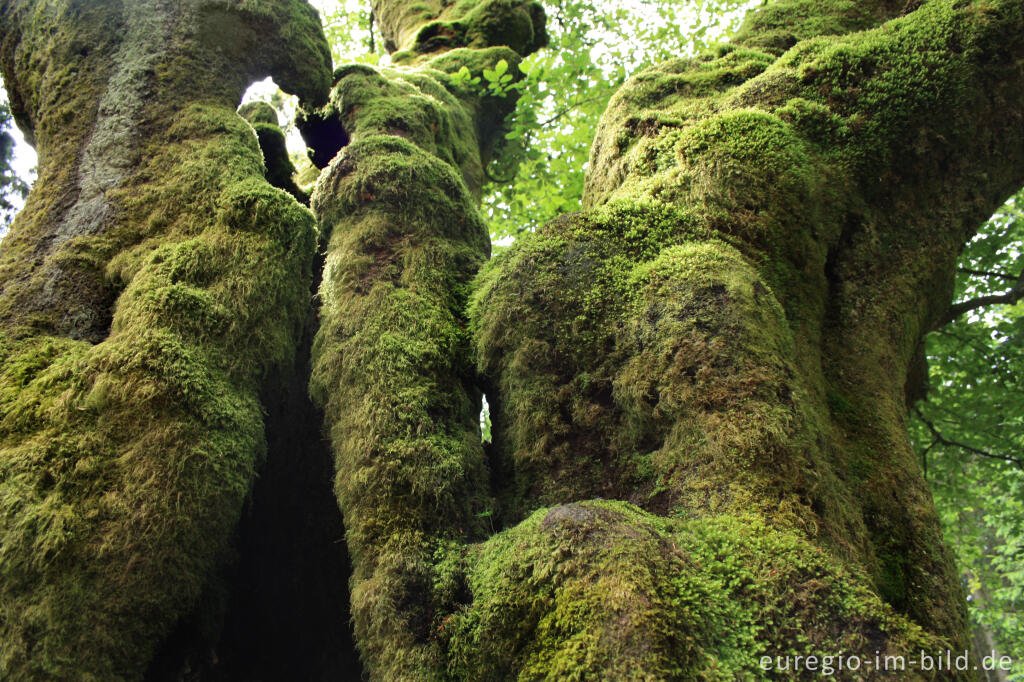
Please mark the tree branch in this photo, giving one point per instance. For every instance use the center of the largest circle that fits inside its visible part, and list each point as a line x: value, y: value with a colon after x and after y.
x: 567, y: 110
x: 939, y: 438
x: 987, y: 273
x: 958, y: 309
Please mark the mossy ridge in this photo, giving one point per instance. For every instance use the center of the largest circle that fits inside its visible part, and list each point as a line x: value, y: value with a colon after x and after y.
x: 602, y: 589
x: 391, y: 360
x: 126, y: 455
x: 757, y: 153
x: 414, y: 29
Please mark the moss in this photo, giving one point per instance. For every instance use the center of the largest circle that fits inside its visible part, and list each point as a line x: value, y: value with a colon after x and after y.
x: 651, y: 368
x: 428, y: 27
x: 279, y: 170
x: 707, y: 337
x: 602, y: 588
x: 282, y: 38
x: 781, y: 25
x: 389, y: 359
x: 702, y: 341
x: 153, y: 282
x: 258, y: 112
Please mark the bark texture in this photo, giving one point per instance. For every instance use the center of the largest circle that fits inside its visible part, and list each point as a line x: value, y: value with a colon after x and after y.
x: 152, y: 284
x: 698, y: 384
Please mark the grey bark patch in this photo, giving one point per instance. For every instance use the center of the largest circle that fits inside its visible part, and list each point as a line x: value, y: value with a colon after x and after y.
x: 574, y: 514
x: 111, y: 152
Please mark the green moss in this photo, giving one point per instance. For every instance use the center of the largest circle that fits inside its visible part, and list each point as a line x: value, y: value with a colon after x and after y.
x: 420, y: 106
x: 279, y: 170
x: 782, y: 24
x: 392, y: 359
x: 258, y: 112
x: 189, y: 342
x: 649, y: 367
x: 604, y: 589
x: 706, y: 338
x: 151, y: 285
x: 390, y: 356
x: 427, y: 27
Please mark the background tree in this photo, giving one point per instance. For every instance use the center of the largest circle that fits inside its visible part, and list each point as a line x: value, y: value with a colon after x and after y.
x: 968, y: 430
x: 13, y: 188
x: 724, y: 341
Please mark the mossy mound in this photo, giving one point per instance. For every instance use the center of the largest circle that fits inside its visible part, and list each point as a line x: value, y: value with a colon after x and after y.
x: 603, y: 589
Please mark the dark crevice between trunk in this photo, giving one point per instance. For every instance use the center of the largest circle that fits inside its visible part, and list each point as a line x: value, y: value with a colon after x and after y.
x: 288, y: 617
x: 324, y: 134
x: 284, y: 605
x: 506, y: 489
x: 279, y: 169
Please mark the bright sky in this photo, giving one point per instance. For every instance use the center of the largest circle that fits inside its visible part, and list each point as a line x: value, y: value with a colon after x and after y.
x: 24, y: 156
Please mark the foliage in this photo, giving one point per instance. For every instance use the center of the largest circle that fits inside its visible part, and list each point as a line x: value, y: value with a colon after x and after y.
x: 594, y: 46
x: 969, y: 431
x: 348, y: 27
x: 13, y: 188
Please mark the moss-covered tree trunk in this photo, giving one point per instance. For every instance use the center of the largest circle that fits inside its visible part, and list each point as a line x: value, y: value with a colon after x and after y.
x: 698, y: 384
x: 152, y: 287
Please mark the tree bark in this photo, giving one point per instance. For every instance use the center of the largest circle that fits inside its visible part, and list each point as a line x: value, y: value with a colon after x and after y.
x: 151, y: 288
x: 698, y: 384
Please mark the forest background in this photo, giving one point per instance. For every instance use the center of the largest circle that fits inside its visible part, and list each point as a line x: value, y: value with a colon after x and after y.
x: 969, y: 428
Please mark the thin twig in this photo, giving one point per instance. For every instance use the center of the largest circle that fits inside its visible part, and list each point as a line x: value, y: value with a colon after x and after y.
x: 939, y: 438
x: 567, y: 110
x: 987, y: 273
x: 958, y: 309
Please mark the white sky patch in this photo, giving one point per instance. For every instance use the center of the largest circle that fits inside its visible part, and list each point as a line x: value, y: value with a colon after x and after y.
x: 25, y: 159
x: 286, y: 106
x: 323, y: 6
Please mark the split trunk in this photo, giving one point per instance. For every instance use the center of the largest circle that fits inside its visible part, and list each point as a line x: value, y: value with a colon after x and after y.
x: 698, y: 383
